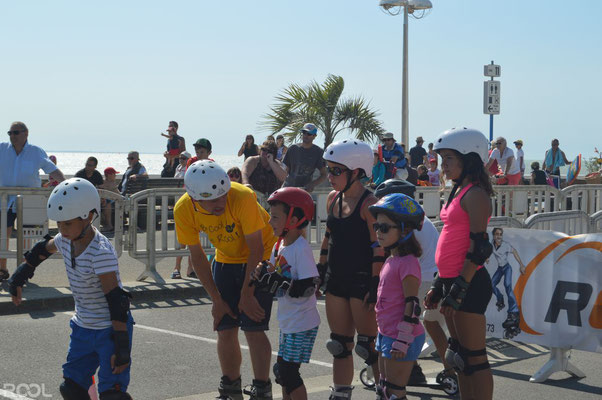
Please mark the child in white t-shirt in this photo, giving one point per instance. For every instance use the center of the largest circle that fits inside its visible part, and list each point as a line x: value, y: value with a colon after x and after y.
x: 292, y: 276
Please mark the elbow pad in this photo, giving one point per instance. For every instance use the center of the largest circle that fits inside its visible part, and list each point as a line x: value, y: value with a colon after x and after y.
x: 119, y: 304
x: 39, y: 249
x: 482, y: 248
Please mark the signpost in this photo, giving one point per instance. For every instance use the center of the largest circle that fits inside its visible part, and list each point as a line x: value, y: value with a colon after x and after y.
x: 491, y: 94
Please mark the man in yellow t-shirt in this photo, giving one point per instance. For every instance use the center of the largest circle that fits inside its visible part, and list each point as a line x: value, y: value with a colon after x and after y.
x: 238, y: 228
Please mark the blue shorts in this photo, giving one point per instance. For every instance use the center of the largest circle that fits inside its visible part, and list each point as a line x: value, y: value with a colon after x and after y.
x: 229, y: 279
x: 296, y: 347
x: 91, y: 348
x: 384, y: 344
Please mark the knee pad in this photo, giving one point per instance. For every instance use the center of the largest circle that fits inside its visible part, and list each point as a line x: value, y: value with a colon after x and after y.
x: 337, y: 345
x: 450, y: 354
x: 72, y: 391
x: 462, y: 365
x: 114, y: 394
x: 364, y: 349
x: 287, y: 375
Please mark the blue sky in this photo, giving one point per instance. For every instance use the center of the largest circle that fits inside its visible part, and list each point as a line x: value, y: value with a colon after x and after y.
x: 91, y: 76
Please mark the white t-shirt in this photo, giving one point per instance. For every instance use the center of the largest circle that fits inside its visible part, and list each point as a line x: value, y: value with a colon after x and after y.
x: 502, y: 160
x: 91, y: 307
x: 427, y: 237
x: 434, y: 177
x: 520, y: 154
x: 297, y: 314
x: 501, y: 253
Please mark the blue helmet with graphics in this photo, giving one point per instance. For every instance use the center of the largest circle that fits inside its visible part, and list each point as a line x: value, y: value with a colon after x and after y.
x: 401, y: 209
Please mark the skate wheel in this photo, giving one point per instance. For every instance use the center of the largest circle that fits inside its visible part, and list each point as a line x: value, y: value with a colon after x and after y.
x: 366, y: 378
x: 450, y: 385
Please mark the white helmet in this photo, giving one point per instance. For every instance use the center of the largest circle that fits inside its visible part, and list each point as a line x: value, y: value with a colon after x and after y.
x: 73, y: 198
x: 464, y: 140
x: 352, y: 153
x: 205, y: 180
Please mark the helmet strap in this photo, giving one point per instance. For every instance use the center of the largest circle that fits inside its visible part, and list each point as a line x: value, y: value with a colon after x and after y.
x: 350, y: 182
x: 287, y: 228
x: 401, y: 239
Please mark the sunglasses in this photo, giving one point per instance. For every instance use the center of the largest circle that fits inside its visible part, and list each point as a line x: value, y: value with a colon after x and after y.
x: 336, y: 171
x: 13, y: 133
x: 384, y: 228
x: 91, y: 165
x: 386, y: 140
x: 499, y: 142
x: 131, y: 158
x: 307, y: 133
x: 233, y: 176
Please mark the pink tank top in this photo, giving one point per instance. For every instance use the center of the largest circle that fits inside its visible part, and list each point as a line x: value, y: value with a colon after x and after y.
x: 454, y: 240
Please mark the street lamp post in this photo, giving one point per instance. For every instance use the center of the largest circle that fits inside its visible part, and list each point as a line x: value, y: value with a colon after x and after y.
x: 409, y: 6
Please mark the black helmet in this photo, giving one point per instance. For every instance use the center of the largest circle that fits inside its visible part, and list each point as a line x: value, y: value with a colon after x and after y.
x: 395, y: 186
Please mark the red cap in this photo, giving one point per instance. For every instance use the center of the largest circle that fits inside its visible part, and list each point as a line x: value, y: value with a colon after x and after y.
x: 110, y: 170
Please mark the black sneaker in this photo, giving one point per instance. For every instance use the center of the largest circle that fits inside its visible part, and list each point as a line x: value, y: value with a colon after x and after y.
x: 416, y: 377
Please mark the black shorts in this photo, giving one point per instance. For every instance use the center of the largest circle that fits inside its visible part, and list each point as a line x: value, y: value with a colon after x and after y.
x: 478, y: 294
x: 355, y: 285
x: 229, y: 279
x: 10, y: 218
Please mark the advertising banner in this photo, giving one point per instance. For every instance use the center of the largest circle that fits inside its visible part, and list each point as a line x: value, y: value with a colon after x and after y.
x: 547, y: 288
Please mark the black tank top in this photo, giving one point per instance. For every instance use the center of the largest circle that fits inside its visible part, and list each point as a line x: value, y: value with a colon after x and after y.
x: 349, y: 247
x: 173, y: 143
x: 263, y: 180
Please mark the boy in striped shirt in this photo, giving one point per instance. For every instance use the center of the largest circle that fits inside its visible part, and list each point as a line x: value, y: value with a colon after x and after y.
x: 101, y: 329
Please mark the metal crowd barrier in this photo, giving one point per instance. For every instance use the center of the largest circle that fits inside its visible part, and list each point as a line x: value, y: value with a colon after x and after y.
x: 569, y: 222
x: 586, y: 198
x: 596, y: 220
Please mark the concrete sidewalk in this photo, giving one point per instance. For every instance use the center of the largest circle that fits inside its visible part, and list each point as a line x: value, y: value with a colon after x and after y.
x: 49, y: 288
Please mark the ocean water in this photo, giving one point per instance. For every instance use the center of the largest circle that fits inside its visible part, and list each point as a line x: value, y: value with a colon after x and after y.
x: 71, y: 162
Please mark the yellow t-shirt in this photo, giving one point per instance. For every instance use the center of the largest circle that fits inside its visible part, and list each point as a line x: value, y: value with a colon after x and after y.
x: 243, y: 216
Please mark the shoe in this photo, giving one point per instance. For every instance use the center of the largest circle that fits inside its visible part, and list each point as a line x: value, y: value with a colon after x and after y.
x: 191, y: 275
x: 416, y: 377
x: 500, y: 304
x: 4, y: 274
x: 176, y: 275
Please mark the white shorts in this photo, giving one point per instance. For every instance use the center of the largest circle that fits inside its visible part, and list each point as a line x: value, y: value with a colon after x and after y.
x: 430, y: 315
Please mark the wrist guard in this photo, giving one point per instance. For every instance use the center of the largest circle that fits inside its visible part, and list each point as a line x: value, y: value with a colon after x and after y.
x: 39, y: 249
x: 322, y: 270
x: 303, y: 287
x: 122, y: 347
x: 405, y: 334
x: 270, y: 282
x: 482, y: 248
x: 22, y: 274
x: 437, y: 288
x: 373, y: 291
x: 119, y: 304
x: 456, y: 294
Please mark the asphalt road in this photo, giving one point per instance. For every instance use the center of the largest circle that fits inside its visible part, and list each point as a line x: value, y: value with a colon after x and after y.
x: 174, y: 358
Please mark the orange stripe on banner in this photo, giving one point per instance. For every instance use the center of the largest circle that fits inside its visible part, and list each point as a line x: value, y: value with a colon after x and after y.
x: 595, y: 318
x: 521, y: 283
x: 585, y: 245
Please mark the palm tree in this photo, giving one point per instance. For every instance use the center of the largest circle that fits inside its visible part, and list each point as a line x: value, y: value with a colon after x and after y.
x: 321, y: 104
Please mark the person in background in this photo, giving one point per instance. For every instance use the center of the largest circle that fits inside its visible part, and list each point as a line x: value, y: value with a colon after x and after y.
x: 302, y: 159
x: 435, y: 175
x: 281, y: 148
x: 248, y: 148
x: 432, y: 154
x: 554, y: 159
x: 394, y: 156
x: 494, y: 169
x: 202, y: 148
x: 20, y: 164
x: 270, y: 138
x: 175, y: 145
x: 378, y: 171
x: 423, y: 176
x: 90, y: 173
x: 181, y: 168
x: 417, y: 153
x: 51, y: 182
x: 134, y: 171
x: 538, y: 177
x: 505, y: 158
x: 520, y: 158
x: 110, y: 184
x: 235, y: 175
x: 263, y: 173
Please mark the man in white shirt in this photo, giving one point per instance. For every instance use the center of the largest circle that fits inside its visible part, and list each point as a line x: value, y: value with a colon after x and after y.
x: 506, y: 160
x: 20, y: 164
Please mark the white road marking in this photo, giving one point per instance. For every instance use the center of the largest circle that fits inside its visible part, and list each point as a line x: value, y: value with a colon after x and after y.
x: 214, y: 341
x: 12, y: 396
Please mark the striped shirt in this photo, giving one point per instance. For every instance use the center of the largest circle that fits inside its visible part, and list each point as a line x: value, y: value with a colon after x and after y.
x: 91, y: 308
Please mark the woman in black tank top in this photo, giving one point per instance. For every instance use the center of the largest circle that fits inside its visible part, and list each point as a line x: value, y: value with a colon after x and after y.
x: 353, y: 264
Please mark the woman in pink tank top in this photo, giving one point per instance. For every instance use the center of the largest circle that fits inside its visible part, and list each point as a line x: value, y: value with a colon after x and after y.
x: 463, y: 285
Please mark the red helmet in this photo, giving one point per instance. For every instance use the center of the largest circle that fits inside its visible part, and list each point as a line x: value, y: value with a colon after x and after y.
x: 295, y: 198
